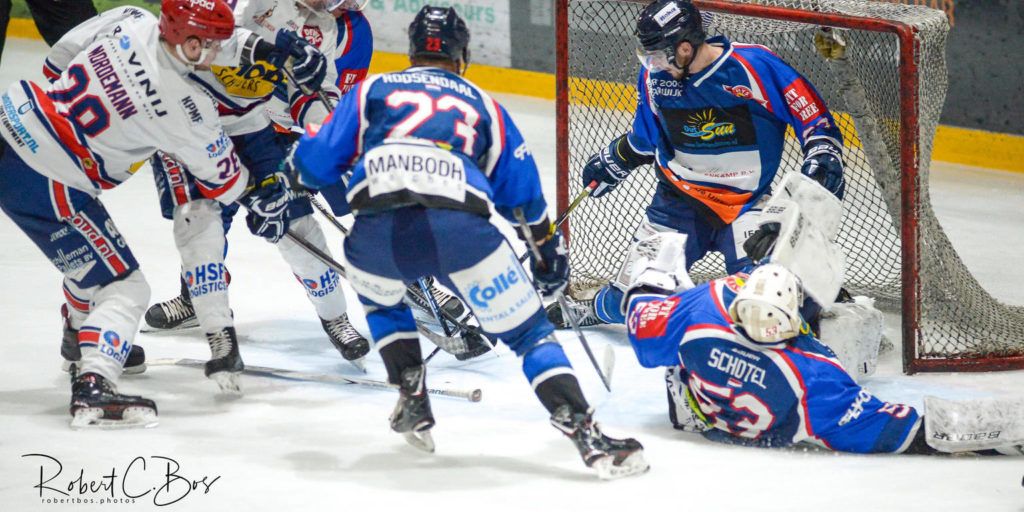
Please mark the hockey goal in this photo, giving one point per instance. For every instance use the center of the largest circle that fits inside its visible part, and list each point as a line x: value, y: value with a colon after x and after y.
x: 886, y: 90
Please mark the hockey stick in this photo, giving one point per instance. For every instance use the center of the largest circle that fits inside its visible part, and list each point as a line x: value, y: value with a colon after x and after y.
x: 560, y: 297
x: 473, y: 395
x: 449, y: 344
x: 414, y: 294
x: 585, y: 193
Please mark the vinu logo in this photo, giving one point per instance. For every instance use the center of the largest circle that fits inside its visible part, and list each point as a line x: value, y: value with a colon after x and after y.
x: 704, y: 126
x: 481, y: 294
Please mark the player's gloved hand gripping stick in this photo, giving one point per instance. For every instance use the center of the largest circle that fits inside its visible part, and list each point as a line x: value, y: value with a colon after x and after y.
x: 542, y: 265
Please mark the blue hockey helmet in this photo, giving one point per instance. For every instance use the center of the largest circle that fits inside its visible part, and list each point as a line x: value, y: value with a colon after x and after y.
x: 439, y: 32
x: 662, y: 25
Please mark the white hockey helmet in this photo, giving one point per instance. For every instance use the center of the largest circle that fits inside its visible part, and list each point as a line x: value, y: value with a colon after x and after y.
x: 767, y: 308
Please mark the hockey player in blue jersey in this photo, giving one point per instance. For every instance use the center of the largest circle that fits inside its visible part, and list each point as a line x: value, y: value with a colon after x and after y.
x: 428, y: 156
x: 744, y: 368
x: 711, y: 116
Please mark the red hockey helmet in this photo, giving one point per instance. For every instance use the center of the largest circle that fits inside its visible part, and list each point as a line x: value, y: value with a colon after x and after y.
x: 205, y: 19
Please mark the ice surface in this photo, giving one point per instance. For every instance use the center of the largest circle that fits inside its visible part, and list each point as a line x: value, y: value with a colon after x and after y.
x: 298, y: 446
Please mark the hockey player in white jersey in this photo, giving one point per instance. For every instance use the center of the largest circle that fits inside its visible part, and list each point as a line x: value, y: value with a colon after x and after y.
x: 304, y: 32
x: 119, y: 92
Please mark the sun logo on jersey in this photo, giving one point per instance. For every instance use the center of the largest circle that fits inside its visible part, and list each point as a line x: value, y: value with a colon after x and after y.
x: 704, y: 126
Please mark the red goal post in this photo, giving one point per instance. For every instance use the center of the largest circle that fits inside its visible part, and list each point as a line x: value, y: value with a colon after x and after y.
x: 894, y: 52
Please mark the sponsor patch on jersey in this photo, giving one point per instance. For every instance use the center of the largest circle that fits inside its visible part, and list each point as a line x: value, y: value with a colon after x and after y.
x: 10, y: 119
x: 191, y: 111
x: 710, y: 128
x: 651, y: 319
x: 425, y: 170
x: 218, y: 148
x: 256, y: 80
x: 313, y: 35
x: 801, y: 101
x: 125, y: 42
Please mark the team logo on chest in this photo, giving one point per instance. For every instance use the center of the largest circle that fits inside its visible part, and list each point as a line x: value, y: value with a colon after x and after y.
x: 744, y: 92
x: 313, y: 35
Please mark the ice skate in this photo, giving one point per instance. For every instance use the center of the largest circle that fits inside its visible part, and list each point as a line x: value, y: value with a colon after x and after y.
x: 225, y: 365
x: 95, y: 403
x: 611, y: 458
x: 171, y: 315
x: 412, y: 416
x: 352, y: 345
x: 72, y: 354
x: 447, y: 302
x: 582, y: 309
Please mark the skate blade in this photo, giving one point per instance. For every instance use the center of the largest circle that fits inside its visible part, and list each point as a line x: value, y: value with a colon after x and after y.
x: 230, y: 383
x: 421, y: 440
x: 92, y: 418
x: 634, y: 464
x: 360, y: 364
x: 187, y: 324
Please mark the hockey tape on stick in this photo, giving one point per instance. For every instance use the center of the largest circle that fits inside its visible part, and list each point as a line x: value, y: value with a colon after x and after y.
x: 560, y: 297
x: 473, y: 395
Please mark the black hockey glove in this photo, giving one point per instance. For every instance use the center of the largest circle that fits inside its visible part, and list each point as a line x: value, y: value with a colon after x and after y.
x: 612, y: 165
x: 759, y: 244
x: 267, y: 204
x: 551, y: 274
x: 823, y: 162
x: 308, y: 65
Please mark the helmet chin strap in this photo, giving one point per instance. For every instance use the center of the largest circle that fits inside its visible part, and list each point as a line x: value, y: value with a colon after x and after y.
x: 205, y: 52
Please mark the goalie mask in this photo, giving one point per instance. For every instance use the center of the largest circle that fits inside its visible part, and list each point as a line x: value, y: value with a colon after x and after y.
x: 767, y: 308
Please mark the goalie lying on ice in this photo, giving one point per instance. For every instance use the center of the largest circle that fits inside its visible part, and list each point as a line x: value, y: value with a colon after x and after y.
x: 744, y: 368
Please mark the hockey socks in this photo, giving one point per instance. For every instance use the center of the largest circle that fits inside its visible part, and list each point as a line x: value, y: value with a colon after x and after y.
x: 549, y: 372
x: 399, y: 355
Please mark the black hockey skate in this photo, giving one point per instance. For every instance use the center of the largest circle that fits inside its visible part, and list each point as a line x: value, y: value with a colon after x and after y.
x: 72, y: 354
x: 173, y: 314
x: 583, y: 309
x: 447, y: 302
x: 611, y: 458
x: 225, y: 365
x: 352, y: 345
x: 95, y: 403
x: 412, y: 416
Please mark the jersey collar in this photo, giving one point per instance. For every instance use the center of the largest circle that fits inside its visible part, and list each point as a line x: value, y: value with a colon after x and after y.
x: 722, y: 41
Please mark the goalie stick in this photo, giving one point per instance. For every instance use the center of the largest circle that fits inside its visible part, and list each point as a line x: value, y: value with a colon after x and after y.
x: 609, y: 354
x: 473, y: 395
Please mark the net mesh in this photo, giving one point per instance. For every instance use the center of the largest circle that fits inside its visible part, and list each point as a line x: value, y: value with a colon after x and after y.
x: 958, y: 319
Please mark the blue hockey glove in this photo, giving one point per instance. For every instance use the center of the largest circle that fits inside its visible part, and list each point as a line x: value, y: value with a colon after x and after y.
x: 267, y: 204
x: 551, y: 274
x: 308, y: 65
x: 823, y: 162
x: 608, y: 168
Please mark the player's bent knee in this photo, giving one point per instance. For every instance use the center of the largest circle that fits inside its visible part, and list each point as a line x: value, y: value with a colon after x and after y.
x: 503, y: 299
x: 130, y: 292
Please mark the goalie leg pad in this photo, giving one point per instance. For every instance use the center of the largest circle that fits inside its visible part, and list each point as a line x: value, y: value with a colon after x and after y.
x: 972, y: 425
x: 853, y: 330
